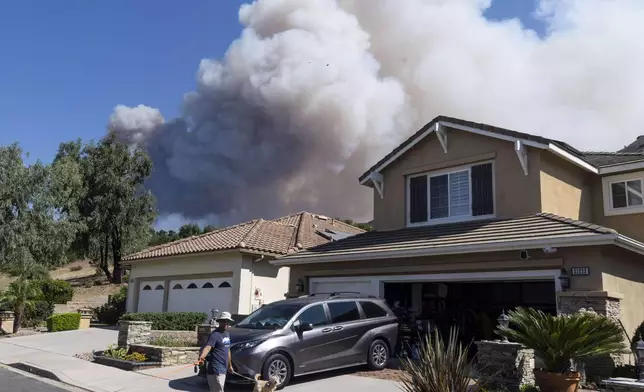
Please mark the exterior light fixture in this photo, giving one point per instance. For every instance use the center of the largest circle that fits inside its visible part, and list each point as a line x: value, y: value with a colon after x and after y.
x: 639, y: 353
x: 564, y: 279
x: 504, y: 322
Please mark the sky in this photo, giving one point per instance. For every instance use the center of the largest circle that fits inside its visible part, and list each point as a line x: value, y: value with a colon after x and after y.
x: 65, y: 65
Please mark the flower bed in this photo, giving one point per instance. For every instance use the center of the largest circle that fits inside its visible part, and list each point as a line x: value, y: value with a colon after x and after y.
x: 123, y: 364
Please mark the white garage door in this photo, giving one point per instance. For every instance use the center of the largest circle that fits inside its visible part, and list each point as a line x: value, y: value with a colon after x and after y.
x: 200, y: 295
x: 151, y: 297
x: 322, y: 285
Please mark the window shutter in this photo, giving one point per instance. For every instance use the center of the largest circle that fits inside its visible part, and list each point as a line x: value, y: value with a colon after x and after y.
x: 482, y: 190
x: 418, y: 199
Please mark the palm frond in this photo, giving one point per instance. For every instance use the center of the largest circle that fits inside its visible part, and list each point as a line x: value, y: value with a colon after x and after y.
x: 557, y: 340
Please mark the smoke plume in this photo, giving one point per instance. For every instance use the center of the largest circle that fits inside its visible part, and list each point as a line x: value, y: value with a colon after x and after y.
x: 315, y: 91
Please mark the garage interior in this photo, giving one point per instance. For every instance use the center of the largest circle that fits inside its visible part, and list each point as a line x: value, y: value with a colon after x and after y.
x: 471, y: 306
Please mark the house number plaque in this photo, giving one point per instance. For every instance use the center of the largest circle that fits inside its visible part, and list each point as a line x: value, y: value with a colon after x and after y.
x: 580, y: 271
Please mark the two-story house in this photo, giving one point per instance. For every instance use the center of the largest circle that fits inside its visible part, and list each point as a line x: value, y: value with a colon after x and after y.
x: 471, y: 219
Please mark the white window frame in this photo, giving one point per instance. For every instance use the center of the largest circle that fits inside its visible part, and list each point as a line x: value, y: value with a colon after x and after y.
x: 449, y: 219
x: 607, y: 185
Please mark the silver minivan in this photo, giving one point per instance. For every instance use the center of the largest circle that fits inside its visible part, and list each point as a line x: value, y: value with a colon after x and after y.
x: 311, y: 334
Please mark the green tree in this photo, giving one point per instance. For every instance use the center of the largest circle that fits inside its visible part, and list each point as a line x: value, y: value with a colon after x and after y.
x: 35, y: 227
x: 189, y: 230
x: 20, y: 296
x: 114, y: 208
x: 209, y: 228
x: 363, y: 226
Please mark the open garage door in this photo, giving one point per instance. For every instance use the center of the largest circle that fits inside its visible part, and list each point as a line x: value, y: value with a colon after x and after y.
x: 151, y: 297
x: 200, y: 295
x: 321, y: 285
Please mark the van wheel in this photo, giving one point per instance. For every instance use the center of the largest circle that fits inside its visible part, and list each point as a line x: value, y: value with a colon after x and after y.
x: 378, y: 355
x: 278, y: 366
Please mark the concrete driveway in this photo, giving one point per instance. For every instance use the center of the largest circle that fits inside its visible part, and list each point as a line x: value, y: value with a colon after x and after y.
x: 52, y: 355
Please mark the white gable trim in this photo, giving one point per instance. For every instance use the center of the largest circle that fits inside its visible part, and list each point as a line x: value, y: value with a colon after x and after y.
x: 550, y: 147
x: 622, y: 167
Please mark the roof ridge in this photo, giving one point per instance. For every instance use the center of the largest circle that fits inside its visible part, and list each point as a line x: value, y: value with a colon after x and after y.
x: 253, y: 230
x: 624, y: 153
x: 579, y: 223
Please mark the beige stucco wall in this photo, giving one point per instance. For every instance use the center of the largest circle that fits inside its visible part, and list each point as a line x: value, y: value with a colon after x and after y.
x: 272, y: 280
x: 213, y: 264
x: 623, y: 273
x: 516, y: 194
x: 566, y: 190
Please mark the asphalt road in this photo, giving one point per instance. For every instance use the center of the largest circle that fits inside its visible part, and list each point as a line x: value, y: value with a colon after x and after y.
x: 11, y: 381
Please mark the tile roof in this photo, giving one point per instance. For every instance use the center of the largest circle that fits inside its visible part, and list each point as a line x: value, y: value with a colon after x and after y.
x: 279, y: 237
x: 533, y: 227
x: 602, y: 159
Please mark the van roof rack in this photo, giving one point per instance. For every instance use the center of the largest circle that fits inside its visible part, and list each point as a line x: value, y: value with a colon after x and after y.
x: 347, y: 294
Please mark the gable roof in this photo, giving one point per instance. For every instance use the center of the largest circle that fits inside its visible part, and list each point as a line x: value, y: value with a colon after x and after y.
x: 590, y: 161
x: 528, y: 232
x: 636, y: 146
x: 274, y: 237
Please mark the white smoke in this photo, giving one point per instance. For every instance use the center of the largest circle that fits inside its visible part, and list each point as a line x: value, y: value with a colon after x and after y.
x: 315, y: 91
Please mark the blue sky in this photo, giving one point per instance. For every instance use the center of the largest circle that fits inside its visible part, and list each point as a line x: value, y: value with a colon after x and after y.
x: 65, y: 64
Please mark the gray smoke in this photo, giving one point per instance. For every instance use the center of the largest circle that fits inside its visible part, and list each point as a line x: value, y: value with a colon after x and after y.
x: 315, y: 91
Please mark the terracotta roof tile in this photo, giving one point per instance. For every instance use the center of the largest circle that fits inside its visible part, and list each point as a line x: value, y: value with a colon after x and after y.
x: 280, y: 237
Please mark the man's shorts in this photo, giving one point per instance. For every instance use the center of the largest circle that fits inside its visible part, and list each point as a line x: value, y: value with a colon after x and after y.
x: 216, y: 382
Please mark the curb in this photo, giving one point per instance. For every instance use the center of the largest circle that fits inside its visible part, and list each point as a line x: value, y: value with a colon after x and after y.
x: 30, y: 368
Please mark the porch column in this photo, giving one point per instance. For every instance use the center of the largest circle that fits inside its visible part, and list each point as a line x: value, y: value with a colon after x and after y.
x: 505, y: 363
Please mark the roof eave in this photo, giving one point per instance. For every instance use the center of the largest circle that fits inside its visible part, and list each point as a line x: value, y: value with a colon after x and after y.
x: 621, y: 167
x: 577, y: 240
x: 180, y: 255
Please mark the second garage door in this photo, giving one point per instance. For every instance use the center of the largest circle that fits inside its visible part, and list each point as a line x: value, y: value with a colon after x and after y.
x: 321, y: 285
x: 200, y: 295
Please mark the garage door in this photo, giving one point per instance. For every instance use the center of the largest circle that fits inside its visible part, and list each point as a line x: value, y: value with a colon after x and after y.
x: 362, y: 286
x: 200, y: 295
x: 151, y: 297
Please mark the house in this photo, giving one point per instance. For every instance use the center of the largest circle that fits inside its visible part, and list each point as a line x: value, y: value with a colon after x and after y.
x: 471, y: 219
x: 226, y: 269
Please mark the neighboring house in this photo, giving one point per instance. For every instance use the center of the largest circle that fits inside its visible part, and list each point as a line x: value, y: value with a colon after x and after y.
x: 471, y: 219
x: 226, y: 269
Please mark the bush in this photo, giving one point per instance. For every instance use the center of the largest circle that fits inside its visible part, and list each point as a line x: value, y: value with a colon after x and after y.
x: 63, y: 322
x: 111, y: 312
x: 169, y: 321
x: 56, y: 291
x: 122, y: 354
x: 36, y: 315
x: 169, y: 342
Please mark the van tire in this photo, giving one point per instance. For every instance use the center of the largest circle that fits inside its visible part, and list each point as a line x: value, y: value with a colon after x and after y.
x: 378, y: 355
x: 275, y: 362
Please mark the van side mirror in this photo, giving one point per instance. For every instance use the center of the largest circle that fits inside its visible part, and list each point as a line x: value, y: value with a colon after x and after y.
x: 299, y: 327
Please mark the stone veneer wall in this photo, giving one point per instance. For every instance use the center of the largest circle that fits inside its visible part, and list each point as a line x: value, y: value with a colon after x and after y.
x: 505, y: 363
x: 175, y: 335
x: 134, y: 332
x: 168, y: 356
x: 602, y: 303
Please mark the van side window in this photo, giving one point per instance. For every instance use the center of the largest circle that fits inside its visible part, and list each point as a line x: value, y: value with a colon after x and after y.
x: 372, y: 310
x: 342, y: 312
x: 314, y: 315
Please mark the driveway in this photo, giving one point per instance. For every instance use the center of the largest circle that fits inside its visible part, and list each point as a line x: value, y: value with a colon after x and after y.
x: 52, y: 355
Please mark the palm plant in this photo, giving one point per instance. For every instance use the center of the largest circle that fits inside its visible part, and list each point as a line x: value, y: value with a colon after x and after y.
x: 27, y: 270
x: 560, y: 340
x: 440, y: 367
x: 20, y: 295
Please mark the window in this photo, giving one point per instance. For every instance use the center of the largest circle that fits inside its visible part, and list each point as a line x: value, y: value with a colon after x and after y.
x: 147, y: 287
x: 372, y: 310
x: 224, y: 284
x: 314, y: 315
x: 177, y: 287
x: 466, y: 192
x: 343, y: 312
x: 192, y: 286
x: 207, y: 285
x: 626, y: 194
x: 159, y: 287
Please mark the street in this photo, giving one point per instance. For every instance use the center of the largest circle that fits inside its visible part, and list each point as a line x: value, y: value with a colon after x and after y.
x: 13, y: 381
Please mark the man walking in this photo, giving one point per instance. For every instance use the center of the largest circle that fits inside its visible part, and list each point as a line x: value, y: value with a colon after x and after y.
x: 217, y: 354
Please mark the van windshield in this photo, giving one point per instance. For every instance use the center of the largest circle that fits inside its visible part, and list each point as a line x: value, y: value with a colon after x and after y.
x: 270, y: 316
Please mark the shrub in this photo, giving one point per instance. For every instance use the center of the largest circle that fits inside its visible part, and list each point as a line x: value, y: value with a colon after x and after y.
x: 169, y: 342
x: 75, y: 268
x: 122, y: 354
x: 439, y: 368
x: 56, y: 291
x: 36, y: 315
x: 136, y: 357
x: 112, y: 311
x: 63, y: 322
x: 560, y: 340
x: 169, y: 321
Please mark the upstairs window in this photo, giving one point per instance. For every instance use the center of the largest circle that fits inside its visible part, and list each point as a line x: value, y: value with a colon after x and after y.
x: 625, y: 194
x: 451, y: 195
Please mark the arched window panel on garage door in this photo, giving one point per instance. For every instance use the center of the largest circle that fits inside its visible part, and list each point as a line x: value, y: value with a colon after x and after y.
x: 205, y: 295
x: 192, y: 286
x: 224, y: 285
x: 208, y: 285
x: 159, y: 287
x: 147, y: 287
x: 177, y: 287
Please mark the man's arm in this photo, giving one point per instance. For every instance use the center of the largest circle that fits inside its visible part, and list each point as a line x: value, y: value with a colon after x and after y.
x: 204, y: 353
x: 230, y: 362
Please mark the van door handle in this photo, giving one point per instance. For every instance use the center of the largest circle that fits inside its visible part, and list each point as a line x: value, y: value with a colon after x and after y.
x: 327, y: 330
x: 339, y: 327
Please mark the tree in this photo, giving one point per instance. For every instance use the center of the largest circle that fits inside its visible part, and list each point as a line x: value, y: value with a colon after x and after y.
x: 189, y: 230
x: 34, y: 225
x: 363, y: 226
x: 20, y: 295
x: 115, y: 209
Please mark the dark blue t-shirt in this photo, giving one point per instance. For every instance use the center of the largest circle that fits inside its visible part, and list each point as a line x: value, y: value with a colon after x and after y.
x: 218, y: 355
